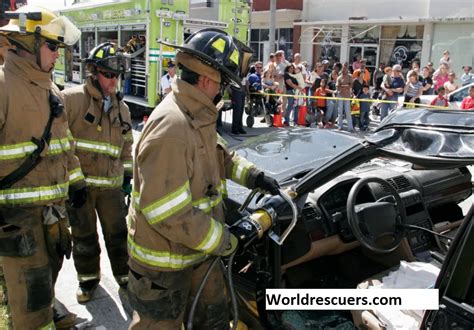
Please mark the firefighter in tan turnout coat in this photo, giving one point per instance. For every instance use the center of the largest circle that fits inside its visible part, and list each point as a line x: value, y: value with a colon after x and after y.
x: 37, y: 167
x: 177, y: 218
x: 101, y: 126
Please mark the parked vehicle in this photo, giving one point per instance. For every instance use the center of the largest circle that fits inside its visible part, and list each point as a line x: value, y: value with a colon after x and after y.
x: 454, y: 98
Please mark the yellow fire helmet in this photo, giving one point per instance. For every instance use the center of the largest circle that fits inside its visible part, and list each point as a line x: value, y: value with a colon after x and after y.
x: 30, y: 22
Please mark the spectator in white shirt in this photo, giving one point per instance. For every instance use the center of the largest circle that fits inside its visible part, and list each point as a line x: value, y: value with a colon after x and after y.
x: 467, y: 77
x: 445, y: 59
x: 451, y: 85
x: 167, y: 78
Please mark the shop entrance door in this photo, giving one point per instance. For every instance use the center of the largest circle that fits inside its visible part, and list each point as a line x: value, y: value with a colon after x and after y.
x: 368, y: 51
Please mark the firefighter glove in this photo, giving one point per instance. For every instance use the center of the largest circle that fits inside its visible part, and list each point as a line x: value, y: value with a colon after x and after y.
x: 267, y: 183
x: 233, y: 242
x: 78, y: 197
x: 58, y: 240
x: 127, y: 186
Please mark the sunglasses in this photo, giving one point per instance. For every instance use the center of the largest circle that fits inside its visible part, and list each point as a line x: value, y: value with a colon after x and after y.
x: 109, y: 75
x: 258, y: 67
x: 52, y: 46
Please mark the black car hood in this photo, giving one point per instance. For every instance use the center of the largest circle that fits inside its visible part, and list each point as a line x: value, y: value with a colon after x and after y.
x: 287, y: 153
x: 428, y: 138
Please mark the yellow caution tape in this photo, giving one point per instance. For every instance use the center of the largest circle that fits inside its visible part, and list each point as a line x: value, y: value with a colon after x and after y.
x: 413, y: 105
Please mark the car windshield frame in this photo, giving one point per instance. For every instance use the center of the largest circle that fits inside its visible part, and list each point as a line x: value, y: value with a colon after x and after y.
x: 427, y: 138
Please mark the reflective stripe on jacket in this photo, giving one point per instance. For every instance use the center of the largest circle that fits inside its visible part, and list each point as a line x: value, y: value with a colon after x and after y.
x: 103, y: 144
x: 177, y: 218
x: 24, y: 112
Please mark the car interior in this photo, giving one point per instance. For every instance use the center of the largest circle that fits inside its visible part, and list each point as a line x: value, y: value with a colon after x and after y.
x: 323, y: 250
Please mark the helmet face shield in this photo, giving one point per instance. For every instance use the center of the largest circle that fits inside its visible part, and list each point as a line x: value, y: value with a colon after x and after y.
x: 31, y: 20
x: 116, y: 64
x: 246, y: 56
x: 61, y: 30
x: 106, y: 57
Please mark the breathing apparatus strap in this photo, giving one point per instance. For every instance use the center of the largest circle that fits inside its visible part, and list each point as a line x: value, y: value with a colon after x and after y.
x: 56, y: 109
x: 37, y: 46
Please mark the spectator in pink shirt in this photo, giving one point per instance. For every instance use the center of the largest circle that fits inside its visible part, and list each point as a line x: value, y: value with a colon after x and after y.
x: 440, y: 76
x: 356, y: 63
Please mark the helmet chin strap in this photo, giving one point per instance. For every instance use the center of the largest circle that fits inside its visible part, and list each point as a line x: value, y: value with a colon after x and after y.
x: 37, y: 49
x: 95, y: 82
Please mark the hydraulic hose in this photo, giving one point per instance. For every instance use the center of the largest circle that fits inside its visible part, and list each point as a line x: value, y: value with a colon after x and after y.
x: 235, y: 309
x: 189, y: 324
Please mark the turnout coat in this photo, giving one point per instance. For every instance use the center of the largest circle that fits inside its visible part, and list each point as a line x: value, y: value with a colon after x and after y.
x: 177, y: 218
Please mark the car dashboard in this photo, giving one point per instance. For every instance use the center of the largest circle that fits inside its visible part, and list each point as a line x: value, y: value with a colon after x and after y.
x: 324, y: 217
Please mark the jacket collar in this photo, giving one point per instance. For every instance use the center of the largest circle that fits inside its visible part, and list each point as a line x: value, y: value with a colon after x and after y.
x: 28, y: 70
x: 98, y: 98
x: 194, y: 103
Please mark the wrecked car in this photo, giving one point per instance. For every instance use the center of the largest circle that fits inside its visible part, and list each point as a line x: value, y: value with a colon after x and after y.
x: 361, y: 208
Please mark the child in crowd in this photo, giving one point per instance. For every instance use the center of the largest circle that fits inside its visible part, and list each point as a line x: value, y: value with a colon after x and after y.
x: 387, y: 79
x: 355, y: 113
x: 467, y: 77
x: 319, y: 105
x: 413, y: 89
x: 269, y: 84
x: 364, y: 108
x: 468, y: 102
x: 269, y: 87
x: 440, y: 100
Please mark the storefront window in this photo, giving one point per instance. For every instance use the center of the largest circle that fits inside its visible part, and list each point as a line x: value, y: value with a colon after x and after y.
x: 259, y: 42
x: 458, y: 39
x: 331, y: 52
x: 401, y: 44
x: 264, y: 34
x: 327, y: 44
x: 254, y: 35
x: 285, y: 42
x: 364, y: 34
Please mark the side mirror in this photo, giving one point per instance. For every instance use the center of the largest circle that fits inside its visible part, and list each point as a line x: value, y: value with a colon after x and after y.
x: 451, y: 98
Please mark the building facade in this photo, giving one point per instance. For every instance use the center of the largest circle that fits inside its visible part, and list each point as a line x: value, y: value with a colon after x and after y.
x: 383, y: 32
x: 286, y: 32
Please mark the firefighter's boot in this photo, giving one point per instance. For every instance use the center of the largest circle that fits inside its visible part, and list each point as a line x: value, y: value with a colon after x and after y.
x: 63, y: 320
x: 122, y: 281
x: 86, y: 291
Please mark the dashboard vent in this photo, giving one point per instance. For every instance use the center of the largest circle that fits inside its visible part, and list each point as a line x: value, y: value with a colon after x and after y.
x: 309, y: 212
x: 400, y: 183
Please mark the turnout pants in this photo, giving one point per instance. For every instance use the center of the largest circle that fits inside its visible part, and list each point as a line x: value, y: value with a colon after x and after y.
x: 111, y: 209
x: 32, y: 257
x: 162, y: 300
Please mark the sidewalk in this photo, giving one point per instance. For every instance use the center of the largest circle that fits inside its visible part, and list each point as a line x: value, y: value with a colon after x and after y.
x: 106, y: 310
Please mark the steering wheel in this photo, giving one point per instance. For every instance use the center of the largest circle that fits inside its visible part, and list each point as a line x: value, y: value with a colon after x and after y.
x: 383, y: 219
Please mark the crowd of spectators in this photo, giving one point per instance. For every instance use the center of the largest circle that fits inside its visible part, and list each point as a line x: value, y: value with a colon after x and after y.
x: 352, y: 85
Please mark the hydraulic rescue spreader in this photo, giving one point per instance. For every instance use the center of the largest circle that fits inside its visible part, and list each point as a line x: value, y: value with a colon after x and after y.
x: 248, y: 229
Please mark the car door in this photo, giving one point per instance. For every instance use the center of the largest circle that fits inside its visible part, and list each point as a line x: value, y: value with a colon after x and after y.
x: 456, y: 284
